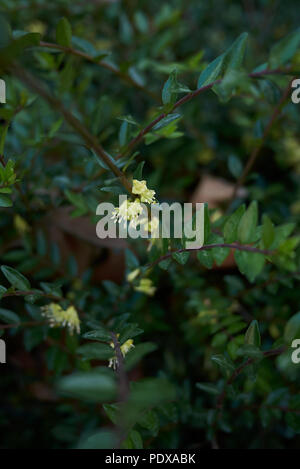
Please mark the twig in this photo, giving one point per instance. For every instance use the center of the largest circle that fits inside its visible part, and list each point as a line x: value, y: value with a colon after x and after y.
x: 235, y: 374
x: 188, y: 97
x: 238, y: 371
x: 122, y: 376
x: 91, y: 141
x: 239, y: 247
x: 48, y: 296
x: 22, y: 324
x: 253, y: 157
x: 102, y: 63
x: 123, y: 389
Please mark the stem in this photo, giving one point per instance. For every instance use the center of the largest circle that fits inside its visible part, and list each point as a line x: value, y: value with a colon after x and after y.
x: 102, y: 63
x: 32, y: 292
x: 123, y: 389
x: 239, y: 247
x: 48, y: 296
x: 235, y: 374
x: 22, y: 324
x: 238, y: 371
x: 122, y: 377
x: 188, y: 97
x: 253, y: 157
x: 89, y: 138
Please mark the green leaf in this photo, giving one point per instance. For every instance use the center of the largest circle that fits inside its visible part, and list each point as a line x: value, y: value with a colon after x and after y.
x: 219, y: 339
x: 137, y: 353
x: 2, y: 291
x: 150, y: 421
x: 293, y: 421
x: 268, y: 232
x: 211, y: 72
x: 230, y: 60
x: 181, y: 257
x: 292, y: 328
x: 15, y: 278
x: 285, y: 49
x: 133, y: 441
x: 5, y: 201
x: 171, y: 88
x: 138, y: 173
x: 281, y: 233
x: 169, y: 91
x: 96, y: 351
x: 250, y: 351
x: 249, y: 263
x: 220, y: 254
x: 64, y: 33
x: 224, y: 363
x: 235, y: 54
x: 205, y: 257
x: 5, y: 32
x: 100, y: 334
x: 252, y: 336
x: 128, y: 332
x: 151, y: 392
x: 123, y: 133
x: 247, y: 225
x: 231, y: 225
x: 9, y: 316
x: 93, y: 386
x: 208, y: 387
x: 166, y: 121
x: 235, y: 166
x: 103, y: 439
x: 164, y: 264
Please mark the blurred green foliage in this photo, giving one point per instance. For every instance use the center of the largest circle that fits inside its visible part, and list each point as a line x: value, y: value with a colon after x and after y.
x: 211, y: 363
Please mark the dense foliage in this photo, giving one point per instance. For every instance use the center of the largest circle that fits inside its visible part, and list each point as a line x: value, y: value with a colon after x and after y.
x: 101, y: 95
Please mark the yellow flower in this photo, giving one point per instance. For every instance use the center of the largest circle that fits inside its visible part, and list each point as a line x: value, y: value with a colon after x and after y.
x: 127, y: 211
x: 146, y: 286
x: 62, y: 318
x: 132, y: 275
x: 140, y: 188
x: 21, y: 225
x: 125, y: 348
x: 37, y: 27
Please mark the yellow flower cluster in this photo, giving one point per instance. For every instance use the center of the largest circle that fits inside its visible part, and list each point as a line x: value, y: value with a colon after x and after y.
x: 140, y: 188
x: 58, y: 317
x: 21, y: 225
x: 146, y: 286
x: 131, y: 210
x: 125, y: 348
x: 128, y: 211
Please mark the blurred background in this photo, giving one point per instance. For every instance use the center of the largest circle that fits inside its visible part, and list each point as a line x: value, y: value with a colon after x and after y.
x: 198, y: 158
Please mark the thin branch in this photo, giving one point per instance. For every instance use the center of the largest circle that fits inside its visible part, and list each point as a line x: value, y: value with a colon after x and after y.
x: 255, y: 153
x: 48, y: 296
x: 91, y: 141
x: 123, y: 390
x: 102, y: 63
x: 23, y: 324
x: 122, y: 376
x: 239, y: 247
x: 32, y: 292
x: 235, y: 374
x: 188, y: 97
x: 240, y: 369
